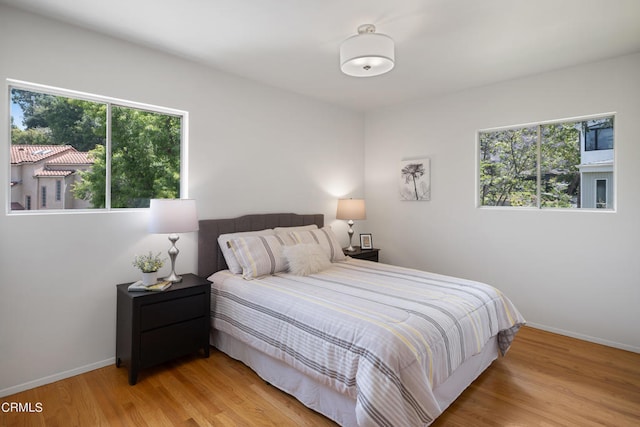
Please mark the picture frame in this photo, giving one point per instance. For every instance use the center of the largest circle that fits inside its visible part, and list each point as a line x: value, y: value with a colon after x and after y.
x: 415, y: 179
x: 366, y: 241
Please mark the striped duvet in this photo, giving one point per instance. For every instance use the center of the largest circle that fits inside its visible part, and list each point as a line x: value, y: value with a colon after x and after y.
x: 381, y: 334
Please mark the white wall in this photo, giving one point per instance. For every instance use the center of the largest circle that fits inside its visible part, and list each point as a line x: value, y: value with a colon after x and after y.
x: 576, y: 273
x: 252, y: 149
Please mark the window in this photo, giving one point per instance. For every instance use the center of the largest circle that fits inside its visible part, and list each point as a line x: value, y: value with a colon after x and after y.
x: 599, y: 137
x: 601, y: 193
x: 95, y: 152
x: 27, y: 201
x: 548, y: 165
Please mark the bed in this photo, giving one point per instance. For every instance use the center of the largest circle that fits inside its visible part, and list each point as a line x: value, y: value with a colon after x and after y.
x: 363, y: 343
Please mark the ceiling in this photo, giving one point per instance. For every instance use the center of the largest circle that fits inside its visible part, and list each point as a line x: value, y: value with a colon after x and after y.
x: 441, y: 45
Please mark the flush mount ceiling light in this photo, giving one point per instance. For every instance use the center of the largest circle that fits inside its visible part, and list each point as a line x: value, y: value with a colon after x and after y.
x: 367, y: 54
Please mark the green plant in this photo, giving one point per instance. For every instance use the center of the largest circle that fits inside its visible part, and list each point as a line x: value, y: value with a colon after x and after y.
x: 148, y: 263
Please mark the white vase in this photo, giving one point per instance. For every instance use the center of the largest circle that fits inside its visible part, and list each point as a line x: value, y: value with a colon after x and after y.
x: 150, y: 278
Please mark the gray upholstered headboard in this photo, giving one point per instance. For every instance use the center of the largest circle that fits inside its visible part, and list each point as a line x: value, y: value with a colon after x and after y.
x: 210, y: 257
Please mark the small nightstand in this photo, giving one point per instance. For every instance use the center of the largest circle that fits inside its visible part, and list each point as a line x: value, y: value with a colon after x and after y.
x: 155, y: 327
x: 359, y: 253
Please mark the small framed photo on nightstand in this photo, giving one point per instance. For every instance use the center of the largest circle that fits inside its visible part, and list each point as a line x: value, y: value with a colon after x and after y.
x: 366, y: 241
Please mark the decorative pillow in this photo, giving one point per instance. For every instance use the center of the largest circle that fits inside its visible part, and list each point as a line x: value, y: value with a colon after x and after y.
x: 287, y: 230
x: 306, y: 258
x: 323, y: 237
x: 260, y: 255
x: 229, y: 257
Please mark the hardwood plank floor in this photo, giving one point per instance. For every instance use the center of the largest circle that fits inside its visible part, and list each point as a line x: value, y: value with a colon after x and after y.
x: 545, y: 380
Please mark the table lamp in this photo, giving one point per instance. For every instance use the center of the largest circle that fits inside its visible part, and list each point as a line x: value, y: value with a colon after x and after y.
x: 351, y: 209
x: 172, y: 216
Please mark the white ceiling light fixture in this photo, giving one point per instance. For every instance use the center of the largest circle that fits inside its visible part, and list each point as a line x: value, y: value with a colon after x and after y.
x: 367, y: 54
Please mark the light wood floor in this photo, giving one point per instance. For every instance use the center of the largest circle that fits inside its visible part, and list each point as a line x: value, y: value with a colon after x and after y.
x: 545, y: 380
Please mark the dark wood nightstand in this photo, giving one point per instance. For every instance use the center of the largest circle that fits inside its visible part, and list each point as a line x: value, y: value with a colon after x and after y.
x: 155, y: 327
x: 359, y: 253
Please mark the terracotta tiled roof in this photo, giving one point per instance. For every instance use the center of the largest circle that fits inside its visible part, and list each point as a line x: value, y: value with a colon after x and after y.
x: 35, y: 153
x: 49, y: 172
x: 71, y: 158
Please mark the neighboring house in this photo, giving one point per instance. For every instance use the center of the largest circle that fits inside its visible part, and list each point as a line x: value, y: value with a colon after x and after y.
x: 596, y: 166
x: 42, y: 176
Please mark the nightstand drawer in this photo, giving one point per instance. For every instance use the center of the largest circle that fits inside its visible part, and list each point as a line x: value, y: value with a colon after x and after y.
x: 370, y: 256
x: 173, y: 341
x: 167, y: 312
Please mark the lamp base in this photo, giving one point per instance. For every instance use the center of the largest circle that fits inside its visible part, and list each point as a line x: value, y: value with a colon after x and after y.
x: 173, y: 277
x: 173, y: 254
x: 350, y: 248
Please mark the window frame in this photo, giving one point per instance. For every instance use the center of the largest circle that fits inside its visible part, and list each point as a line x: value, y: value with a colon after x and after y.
x: 539, y: 124
x: 109, y: 102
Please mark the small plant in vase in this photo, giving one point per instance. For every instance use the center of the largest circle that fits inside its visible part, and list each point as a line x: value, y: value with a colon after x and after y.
x: 149, y: 265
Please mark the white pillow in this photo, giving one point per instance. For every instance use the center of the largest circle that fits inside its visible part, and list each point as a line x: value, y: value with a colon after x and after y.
x: 229, y: 257
x: 287, y: 230
x: 306, y: 258
x: 260, y: 255
x: 323, y: 237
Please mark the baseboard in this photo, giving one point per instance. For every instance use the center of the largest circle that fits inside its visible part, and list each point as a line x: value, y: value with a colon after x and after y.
x: 585, y: 337
x: 56, y: 377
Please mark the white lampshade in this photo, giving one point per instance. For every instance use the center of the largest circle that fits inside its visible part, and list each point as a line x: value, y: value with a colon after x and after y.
x: 351, y: 209
x: 173, y: 216
x: 367, y: 54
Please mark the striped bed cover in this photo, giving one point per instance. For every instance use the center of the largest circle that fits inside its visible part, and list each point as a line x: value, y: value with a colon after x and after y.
x: 381, y: 334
